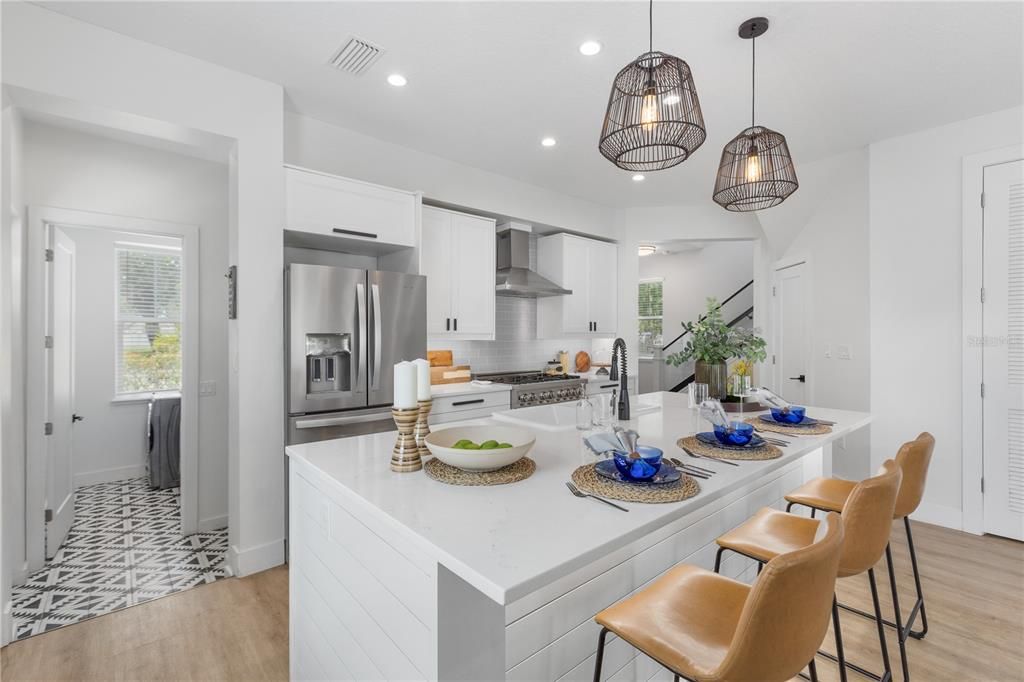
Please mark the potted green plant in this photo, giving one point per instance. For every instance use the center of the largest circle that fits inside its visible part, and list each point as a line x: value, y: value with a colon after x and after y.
x: 711, y: 344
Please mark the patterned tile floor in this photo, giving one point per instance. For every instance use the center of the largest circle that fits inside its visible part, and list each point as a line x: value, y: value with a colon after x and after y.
x: 124, y: 548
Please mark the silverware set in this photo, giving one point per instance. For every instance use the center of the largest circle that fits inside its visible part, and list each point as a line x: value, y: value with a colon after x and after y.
x: 691, y: 469
x: 579, y: 493
x: 693, y: 454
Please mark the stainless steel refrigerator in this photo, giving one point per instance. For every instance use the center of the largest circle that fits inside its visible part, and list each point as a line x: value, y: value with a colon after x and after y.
x: 346, y: 330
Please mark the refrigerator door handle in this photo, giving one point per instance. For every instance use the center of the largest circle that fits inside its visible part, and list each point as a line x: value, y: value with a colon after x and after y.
x: 360, y: 327
x: 320, y: 422
x: 375, y: 376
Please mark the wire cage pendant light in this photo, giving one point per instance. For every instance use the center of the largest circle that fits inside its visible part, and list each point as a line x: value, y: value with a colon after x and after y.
x: 756, y: 170
x: 653, y: 120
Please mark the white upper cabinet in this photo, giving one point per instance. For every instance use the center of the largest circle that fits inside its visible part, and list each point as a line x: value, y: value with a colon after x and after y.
x: 457, y: 258
x: 359, y: 211
x: 590, y: 269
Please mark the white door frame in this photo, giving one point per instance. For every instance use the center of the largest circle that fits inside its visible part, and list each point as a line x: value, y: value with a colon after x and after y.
x: 973, y: 468
x: 776, y: 331
x: 35, y: 467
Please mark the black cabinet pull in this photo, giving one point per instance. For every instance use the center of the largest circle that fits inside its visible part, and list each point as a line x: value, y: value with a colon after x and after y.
x: 467, y: 402
x: 447, y: 324
x: 456, y: 328
x: 609, y: 385
x: 595, y: 326
x: 355, y: 233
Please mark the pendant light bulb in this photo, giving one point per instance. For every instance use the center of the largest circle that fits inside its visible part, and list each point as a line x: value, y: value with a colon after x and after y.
x: 649, y: 108
x: 753, y: 172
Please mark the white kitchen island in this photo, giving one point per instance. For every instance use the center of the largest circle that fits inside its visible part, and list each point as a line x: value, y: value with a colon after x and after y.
x: 397, y: 576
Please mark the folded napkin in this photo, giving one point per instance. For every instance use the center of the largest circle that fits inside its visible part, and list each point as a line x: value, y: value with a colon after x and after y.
x: 770, y: 397
x: 713, y: 411
x: 603, y: 442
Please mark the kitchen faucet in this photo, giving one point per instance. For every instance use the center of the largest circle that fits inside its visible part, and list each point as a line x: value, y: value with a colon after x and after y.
x: 623, y: 405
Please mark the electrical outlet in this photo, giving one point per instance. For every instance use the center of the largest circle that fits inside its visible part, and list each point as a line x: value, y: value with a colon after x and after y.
x: 828, y: 351
x: 207, y: 388
x: 844, y: 352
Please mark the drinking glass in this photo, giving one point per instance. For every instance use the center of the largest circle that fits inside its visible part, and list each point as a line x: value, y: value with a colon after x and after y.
x: 698, y: 394
x: 584, y: 415
x: 604, y: 414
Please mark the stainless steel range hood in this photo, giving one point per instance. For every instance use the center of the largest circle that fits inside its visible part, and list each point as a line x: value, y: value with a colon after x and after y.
x: 515, y: 278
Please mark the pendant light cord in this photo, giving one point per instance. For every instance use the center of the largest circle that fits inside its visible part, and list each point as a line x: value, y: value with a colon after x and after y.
x: 753, y: 78
x: 650, y: 26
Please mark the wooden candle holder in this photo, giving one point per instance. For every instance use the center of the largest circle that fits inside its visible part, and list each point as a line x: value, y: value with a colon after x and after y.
x: 422, y: 427
x: 406, y: 455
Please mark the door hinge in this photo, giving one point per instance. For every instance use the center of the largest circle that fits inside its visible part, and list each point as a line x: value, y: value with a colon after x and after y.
x: 48, y: 255
x: 48, y: 429
x: 982, y: 484
x: 773, y: 291
x: 47, y: 341
x: 983, y: 200
x: 47, y: 515
x: 983, y: 389
x: 773, y: 359
x: 983, y: 294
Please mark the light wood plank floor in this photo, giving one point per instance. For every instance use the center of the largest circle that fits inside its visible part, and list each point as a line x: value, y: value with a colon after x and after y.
x: 237, y: 629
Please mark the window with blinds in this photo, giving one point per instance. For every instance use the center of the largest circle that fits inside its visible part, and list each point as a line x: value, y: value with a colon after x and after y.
x: 147, y: 319
x: 651, y: 310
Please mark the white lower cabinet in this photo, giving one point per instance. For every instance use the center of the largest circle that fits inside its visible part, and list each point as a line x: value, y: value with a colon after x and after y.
x: 590, y: 269
x: 457, y: 257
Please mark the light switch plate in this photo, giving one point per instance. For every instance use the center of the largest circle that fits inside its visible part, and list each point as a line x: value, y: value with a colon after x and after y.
x: 207, y: 388
x: 844, y: 352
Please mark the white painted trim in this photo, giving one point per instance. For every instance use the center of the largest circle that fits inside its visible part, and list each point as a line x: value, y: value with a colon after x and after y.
x: 111, y: 474
x: 255, y: 559
x: 213, y: 523
x: 972, y: 515
x: 938, y: 515
x: 38, y: 218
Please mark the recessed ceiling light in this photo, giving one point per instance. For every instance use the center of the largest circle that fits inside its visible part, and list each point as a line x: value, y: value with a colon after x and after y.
x: 548, y: 142
x: 590, y: 48
x: 638, y: 177
x: 671, y: 99
x: 397, y: 79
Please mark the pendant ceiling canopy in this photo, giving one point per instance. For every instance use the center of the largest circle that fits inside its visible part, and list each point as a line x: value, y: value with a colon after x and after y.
x: 653, y: 120
x: 756, y: 170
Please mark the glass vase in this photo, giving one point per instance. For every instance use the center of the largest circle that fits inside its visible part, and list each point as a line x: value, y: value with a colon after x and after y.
x: 715, y: 375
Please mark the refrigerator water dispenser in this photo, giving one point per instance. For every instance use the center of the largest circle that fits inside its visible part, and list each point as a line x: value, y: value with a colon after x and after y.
x: 328, y: 365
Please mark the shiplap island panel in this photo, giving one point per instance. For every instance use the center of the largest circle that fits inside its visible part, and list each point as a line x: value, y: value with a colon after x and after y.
x: 397, y: 576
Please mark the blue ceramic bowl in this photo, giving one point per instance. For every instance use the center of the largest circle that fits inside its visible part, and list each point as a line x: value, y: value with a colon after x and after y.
x: 642, y: 469
x: 738, y: 433
x: 795, y: 415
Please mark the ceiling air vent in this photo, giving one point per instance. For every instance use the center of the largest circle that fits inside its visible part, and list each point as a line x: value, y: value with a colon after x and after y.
x: 356, y: 56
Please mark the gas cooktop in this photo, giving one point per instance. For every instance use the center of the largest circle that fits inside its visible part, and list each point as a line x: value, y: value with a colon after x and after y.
x: 516, y: 378
x: 537, y: 388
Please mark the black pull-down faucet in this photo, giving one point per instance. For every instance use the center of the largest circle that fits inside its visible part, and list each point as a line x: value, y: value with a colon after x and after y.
x: 619, y: 355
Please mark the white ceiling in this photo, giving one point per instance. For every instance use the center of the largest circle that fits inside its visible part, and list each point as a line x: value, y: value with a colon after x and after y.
x: 487, y: 80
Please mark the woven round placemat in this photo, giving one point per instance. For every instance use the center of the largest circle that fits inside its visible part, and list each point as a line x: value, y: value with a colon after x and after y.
x: 705, y: 450
x: 795, y: 430
x: 513, y: 473
x: 589, y: 481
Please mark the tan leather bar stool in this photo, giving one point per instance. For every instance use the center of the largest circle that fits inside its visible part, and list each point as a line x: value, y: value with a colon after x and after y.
x: 867, y: 517
x: 708, y: 628
x: 829, y: 494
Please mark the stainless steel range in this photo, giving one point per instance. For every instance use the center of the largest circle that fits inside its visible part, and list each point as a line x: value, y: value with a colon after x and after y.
x: 536, y: 388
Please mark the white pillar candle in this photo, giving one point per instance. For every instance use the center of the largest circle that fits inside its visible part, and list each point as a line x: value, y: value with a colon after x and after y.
x: 405, y: 385
x: 422, y: 379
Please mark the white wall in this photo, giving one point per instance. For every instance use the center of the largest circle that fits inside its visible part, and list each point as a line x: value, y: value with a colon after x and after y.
x: 829, y: 230
x: 12, y: 361
x: 129, y: 82
x: 332, y: 149
x: 915, y: 292
x: 75, y: 170
x: 690, y: 277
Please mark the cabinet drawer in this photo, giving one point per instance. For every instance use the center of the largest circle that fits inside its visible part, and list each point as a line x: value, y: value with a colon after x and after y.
x: 473, y: 401
x: 331, y: 205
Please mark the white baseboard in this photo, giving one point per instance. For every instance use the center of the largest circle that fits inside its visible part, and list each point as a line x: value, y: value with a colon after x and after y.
x: 108, y: 475
x: 213, y: 523
x: 255, y: 559
x: 939, y: 515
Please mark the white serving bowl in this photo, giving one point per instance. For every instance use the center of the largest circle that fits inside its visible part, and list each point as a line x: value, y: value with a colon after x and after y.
x: 440, y: 445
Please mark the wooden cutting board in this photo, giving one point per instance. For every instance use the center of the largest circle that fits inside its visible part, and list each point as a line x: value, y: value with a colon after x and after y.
x: 440, y: 358
x: 450, y: 375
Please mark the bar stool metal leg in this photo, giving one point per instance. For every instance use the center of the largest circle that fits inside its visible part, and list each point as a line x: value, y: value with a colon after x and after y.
x: 901, y: 638
x: 837, y: 629
x: 812, y: 669
x: 887, y: 676
x: 600, y: 654
x: 919, y: 605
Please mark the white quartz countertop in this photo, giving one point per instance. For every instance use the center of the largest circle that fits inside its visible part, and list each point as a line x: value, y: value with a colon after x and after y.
x: 510, y: 540
x: 467, y: 388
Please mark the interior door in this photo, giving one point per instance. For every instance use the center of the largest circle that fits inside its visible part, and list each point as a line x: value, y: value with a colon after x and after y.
x: 436, y: 263
x: 473, y: 276
x: 1003, y: 353
x: 792, y: 356
x: 60, y: 492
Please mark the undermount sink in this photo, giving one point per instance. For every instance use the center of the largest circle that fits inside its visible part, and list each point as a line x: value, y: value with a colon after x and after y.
x: 561, y: 417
